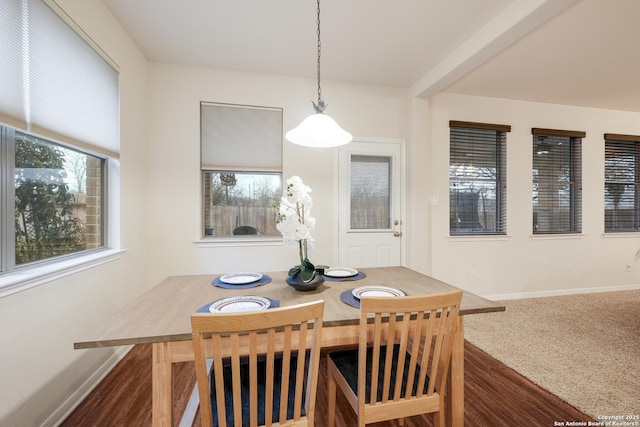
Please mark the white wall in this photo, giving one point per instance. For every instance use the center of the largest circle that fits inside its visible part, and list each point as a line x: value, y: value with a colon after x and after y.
x: 160, y: 209
x: 419, y: 158
x: 174, y: 173
x: 39, y: 369
x: 520, y: 263
x: 160, y: 206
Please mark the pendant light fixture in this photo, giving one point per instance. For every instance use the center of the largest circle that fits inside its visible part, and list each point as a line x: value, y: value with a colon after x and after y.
x: 318, y: 129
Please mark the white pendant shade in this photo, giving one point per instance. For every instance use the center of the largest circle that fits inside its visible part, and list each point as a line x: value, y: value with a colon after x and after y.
x: 319, y: 130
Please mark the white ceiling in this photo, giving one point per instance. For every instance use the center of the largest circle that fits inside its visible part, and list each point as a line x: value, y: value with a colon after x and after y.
x: 575, y: 52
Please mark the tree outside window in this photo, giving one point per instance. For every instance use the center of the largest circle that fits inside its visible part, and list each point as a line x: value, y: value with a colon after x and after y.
x: 241, y: 203
x: 54, y: 213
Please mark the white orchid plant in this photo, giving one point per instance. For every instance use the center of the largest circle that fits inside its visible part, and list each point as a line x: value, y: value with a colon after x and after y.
x: 295, y: 224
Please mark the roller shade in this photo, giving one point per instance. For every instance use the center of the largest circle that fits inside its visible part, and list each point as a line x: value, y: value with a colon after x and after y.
x: 11, y: 100
x: 241, y: 138
x: 55, y: 82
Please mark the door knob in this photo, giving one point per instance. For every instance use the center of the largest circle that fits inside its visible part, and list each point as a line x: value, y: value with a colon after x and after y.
x: 397, y: 234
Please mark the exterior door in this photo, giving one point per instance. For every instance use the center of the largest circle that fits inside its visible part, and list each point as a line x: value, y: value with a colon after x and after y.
x: 370, y: 207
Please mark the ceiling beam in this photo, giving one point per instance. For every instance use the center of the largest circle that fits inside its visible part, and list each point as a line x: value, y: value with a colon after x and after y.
x: 515, y: 21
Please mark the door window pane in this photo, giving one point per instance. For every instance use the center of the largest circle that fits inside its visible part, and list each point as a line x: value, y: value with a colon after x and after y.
x: 370, y: 192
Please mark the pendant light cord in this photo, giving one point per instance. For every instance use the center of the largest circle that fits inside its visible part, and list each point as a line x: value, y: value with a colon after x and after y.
x: 320, y: 106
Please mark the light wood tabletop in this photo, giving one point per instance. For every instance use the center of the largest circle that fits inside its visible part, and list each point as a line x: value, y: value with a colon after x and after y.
x: 161, y: 316
x: 163, y: 313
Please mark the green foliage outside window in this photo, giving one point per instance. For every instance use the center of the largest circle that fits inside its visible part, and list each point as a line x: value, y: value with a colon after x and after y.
x: 45, y: 224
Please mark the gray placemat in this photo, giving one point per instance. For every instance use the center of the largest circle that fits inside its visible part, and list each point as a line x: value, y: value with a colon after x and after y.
x: 263, y: 281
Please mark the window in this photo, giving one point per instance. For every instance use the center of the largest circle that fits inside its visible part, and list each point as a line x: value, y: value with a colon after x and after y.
x: 59, y: 135
x: 477, y: 178
x: 57, y: 201
x: 241, y: 162
x: 557, y: 181
x: 621, y: 183
x: 371, y: 189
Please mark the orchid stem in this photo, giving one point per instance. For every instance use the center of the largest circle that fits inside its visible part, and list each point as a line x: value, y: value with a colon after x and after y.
x: 301, y: 254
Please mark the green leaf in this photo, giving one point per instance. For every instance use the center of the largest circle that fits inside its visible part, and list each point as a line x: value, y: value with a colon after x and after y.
x: 308, y: 271
x: 306, y: 265
x: 294, y: 270
x: 307, y: 275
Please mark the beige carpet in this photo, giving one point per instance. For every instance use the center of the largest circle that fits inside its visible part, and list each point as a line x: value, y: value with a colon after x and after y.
x: 583, y: 348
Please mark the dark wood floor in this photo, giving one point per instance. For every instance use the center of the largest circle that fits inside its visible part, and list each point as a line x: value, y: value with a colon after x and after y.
x: 495, y: 396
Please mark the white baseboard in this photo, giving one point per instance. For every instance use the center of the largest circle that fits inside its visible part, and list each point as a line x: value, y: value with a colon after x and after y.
x: 555, y: 293
x: 60, y: 414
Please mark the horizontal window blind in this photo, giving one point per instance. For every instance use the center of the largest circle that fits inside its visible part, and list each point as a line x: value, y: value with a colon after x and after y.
x: 557, y: 181
x: 622, y: 183
x: 477, y: 178
x: 241, y: 138
x: 56, y: 84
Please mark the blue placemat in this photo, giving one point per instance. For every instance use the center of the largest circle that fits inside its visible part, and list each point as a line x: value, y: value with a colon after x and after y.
x: 274, y: 303
x: 263, y: 281
x: 358, y: 276
x: 348, y: 298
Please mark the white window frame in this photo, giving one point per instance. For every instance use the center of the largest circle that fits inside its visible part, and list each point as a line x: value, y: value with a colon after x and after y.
x: 29, y: 275
x: 251, y: 163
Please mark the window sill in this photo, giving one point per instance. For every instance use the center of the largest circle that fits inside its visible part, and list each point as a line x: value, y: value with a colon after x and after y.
x: 558, y: 236
x: 621, y: 235
x: 23, y: 279
x: 212, y: 242
x: 478, y: 237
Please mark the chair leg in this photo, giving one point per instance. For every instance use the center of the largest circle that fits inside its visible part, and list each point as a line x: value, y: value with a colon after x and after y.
x: 332, y: 401
x: 401, y: 421
x: 438, y: 419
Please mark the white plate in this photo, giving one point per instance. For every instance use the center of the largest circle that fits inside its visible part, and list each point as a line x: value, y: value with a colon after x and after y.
x: 377, y: 291
x: 340, y: 272
x: 240, y: 278
x: 239, y: 303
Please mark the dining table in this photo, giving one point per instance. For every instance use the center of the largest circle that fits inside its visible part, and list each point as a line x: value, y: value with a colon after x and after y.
x: 162, y: 317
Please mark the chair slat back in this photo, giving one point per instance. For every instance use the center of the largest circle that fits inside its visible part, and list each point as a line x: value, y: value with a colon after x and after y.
x: 237, y: 339
x: 409, y: 342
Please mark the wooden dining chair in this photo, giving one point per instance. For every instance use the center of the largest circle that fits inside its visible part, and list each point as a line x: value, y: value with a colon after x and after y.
x: 265, y: 365
x: 401, y: 364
